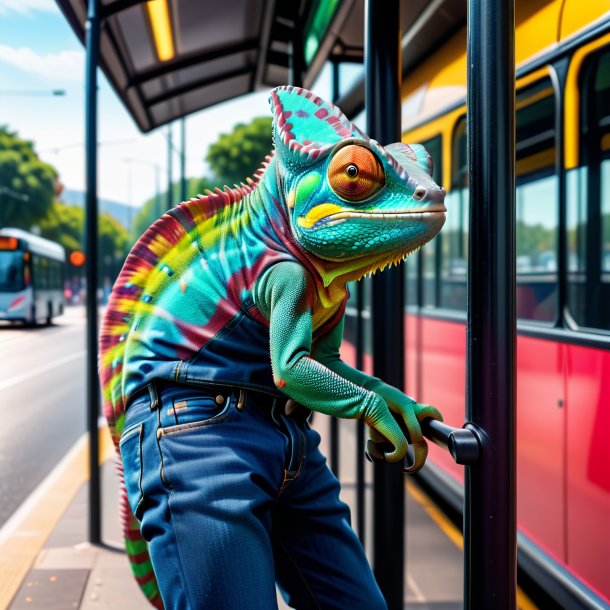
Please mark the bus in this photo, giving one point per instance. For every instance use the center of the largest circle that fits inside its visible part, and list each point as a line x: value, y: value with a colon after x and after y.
x: 563, y: 286
x: 31, y: 277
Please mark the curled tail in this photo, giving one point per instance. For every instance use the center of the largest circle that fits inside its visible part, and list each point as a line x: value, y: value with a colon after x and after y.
x: 137, y: 549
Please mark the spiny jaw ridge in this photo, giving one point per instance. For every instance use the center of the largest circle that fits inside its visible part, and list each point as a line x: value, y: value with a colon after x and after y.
x: 411, y: 215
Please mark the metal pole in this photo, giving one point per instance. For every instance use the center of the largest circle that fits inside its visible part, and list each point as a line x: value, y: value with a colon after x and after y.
x: 360, y: 440
x: 158, y: 199
x: 170, y: 146
x: 183, y: 159
x: 490, y: 508
x: 383, y: 108
x: 334, y: 422
x: 93, y: 396
x: 297, y: 58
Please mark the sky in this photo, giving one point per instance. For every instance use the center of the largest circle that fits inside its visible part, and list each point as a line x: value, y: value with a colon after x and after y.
x: 40, y: 53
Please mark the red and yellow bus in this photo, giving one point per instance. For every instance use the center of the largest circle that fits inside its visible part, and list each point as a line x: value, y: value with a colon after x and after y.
x: 563, y: 284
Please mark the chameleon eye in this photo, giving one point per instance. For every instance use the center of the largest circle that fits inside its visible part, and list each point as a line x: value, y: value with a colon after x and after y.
x: 355, y: 173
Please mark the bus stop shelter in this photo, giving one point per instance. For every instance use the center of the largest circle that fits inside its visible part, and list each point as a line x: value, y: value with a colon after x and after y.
x: 169, y: 58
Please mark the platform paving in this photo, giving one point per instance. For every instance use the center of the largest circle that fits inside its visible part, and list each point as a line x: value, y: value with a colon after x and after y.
x: 70, y: 573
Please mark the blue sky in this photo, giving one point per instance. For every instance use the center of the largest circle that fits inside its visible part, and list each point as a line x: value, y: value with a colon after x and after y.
x: 38, y: 51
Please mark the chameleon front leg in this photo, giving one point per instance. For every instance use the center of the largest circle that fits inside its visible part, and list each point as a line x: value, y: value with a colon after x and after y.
x: 285, y: 294
x: 326, y: 351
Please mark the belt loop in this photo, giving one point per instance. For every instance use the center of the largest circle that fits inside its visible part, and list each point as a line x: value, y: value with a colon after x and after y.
x: 154, y: 397
x: 273, y: 411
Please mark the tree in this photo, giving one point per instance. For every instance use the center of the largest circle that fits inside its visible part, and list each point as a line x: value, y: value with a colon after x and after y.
x: 27, y: 184
x: 154, y: 207
x: 236, y: 155
x: 65, y: 225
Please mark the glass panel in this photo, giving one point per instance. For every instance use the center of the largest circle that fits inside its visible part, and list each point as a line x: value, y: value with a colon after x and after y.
x: 537, y: 204
x: 11, y: 271
x: 454, y: 267
x: 605, y: 203
x: 588, y: 204
x: 454, y: 247
x: 411, y: 297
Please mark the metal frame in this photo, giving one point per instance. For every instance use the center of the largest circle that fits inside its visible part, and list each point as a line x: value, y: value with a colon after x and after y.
x: 490, y: 524
x: 93, y: 406
x: 383, y: 114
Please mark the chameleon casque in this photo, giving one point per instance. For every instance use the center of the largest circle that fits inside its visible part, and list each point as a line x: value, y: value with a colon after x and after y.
x: 266, y: 264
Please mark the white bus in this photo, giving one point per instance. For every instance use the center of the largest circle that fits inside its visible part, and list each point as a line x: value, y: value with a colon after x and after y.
x: 31, y: 277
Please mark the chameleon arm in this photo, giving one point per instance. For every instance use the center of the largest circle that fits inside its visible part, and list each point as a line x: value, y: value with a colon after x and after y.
x: 285, y: 296
x: 326, y: 351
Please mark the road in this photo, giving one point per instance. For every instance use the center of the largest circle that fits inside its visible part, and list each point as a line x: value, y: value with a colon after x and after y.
x: 42, y: 401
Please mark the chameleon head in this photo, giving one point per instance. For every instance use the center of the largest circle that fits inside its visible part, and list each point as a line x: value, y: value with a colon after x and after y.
x: 348, y: 197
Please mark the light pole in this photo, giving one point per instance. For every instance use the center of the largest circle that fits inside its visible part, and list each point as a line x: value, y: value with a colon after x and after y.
x: 158, y: 169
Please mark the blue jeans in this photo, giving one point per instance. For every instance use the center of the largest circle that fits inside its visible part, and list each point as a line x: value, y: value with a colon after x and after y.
x: 233, y: 498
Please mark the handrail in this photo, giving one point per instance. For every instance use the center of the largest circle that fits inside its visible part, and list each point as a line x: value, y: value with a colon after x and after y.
x: 462, y: 443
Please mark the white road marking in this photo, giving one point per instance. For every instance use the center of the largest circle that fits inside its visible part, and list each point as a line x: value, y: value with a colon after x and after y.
x: 418, y: 593
x: 29, y: 335
x: 31, y: 373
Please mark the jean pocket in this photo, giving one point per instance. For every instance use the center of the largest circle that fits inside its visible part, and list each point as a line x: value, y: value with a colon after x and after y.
x: 196, y: 412
x: 130, y: 447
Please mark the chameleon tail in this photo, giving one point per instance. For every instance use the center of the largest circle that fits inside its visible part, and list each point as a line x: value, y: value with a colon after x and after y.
x: 137, y: 550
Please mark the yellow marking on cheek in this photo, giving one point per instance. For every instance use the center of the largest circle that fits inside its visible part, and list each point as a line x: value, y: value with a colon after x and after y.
x: 317, y: 213
x: 291, y: 197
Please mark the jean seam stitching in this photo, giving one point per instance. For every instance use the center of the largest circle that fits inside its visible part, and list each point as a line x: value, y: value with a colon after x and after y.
x: 300, y: 574
x: 182, y: 575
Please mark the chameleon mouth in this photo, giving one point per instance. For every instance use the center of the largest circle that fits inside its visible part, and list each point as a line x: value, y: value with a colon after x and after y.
x: 421, y: 215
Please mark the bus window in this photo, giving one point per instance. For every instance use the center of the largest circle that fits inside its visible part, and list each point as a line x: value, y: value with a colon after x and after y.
x: 11, y: 270
x: 588, y: 203
x: 454, y: 245
x: 426, y: 259
x: 536, y: 204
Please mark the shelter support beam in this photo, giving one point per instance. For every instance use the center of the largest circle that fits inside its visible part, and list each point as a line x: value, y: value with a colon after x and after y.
x: 92, y: 42
x: 490, y: 508
x: 383, y: 113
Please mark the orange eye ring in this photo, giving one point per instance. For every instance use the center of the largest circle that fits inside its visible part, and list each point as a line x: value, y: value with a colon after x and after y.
x: 355, y: 173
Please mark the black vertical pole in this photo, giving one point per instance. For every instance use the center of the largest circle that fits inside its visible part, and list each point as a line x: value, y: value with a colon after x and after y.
x: 334, y: 422
x: 383, y: 110
x: 93, y: 397
x: 490, y: 508
x: 297, y: 56
x: 360, y: 425
x: 183, y: 159
x: 170, y: 152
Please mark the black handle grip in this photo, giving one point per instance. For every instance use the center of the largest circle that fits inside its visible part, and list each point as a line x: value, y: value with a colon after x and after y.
x: 462, y: 443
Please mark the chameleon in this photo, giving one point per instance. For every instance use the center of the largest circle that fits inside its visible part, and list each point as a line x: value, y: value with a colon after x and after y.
x: 267, y: 264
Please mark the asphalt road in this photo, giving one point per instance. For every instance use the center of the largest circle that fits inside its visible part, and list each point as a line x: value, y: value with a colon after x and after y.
x: 42, y: 402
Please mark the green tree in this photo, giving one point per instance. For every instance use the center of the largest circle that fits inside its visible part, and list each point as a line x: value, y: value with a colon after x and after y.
x: 27, y: 184
x: 236, y: 155
x: 154, y: 207
x: 65, y: 225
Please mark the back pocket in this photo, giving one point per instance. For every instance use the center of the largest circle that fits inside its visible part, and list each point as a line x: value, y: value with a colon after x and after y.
x: 130, y: 447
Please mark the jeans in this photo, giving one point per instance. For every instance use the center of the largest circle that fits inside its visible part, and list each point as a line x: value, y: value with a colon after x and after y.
x: 233, y: 499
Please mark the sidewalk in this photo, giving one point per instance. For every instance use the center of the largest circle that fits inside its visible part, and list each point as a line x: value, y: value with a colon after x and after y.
x: 47, y: 563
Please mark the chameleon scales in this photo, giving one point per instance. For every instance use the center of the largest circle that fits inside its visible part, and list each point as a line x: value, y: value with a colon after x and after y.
x: 246, y: 286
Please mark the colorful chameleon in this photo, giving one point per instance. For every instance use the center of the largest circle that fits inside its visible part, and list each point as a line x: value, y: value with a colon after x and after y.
x: 268, y: 263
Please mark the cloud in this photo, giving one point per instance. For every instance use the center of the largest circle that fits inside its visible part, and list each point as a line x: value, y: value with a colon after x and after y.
x: 27, y: 7
x: 62, y: 66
